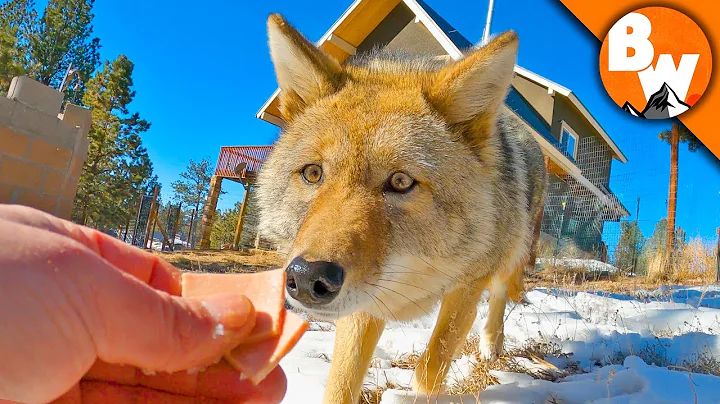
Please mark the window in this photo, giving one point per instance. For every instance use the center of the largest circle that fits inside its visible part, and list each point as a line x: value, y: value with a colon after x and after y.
x: 568, y: 140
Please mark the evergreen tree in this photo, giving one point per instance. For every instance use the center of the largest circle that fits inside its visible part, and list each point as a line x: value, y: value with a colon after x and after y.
x: 680, y: 238
x: 193, y: 186
x: 628, y: 249
x: 118, y: 169
x: 18, y: 23
x: 64, y: 37
x: 655, y: 243
x: 223, y: 227
x: 225, y: 223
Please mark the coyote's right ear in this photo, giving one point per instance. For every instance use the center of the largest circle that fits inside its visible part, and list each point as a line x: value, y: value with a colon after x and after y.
x: 304, y: 73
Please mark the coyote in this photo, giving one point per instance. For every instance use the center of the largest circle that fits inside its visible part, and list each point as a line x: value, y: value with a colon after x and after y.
x: 398, y: 183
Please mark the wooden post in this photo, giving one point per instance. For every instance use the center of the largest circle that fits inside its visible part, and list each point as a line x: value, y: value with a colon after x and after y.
x: 191, y: 235
x: 175, y: 228
x: 167, y: 220
x: 137, y: 219
x: 162, y: 231
x: 152, y: 215
x: 154, y: 222
x: 257, y: 240
x: 241, y: 218
x: 209, y: 210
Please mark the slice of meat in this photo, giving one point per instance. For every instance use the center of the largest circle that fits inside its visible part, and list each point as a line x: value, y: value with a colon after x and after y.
x: 266, y: 290
x: 258, y: 360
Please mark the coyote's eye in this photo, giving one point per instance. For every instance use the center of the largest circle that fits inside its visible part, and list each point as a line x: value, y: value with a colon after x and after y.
x: 312, y: 173
x: 400, y: 182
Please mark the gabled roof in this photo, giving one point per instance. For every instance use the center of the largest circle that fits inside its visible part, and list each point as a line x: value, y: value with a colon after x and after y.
x: 341, y: 42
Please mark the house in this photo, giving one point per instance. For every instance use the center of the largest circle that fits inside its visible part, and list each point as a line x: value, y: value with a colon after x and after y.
x: 578, y: 151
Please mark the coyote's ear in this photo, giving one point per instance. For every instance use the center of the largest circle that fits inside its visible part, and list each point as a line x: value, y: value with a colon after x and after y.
x: 304, y: 73
x: 475, y: 86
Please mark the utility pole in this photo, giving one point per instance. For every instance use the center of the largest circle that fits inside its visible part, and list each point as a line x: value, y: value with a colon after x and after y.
x: 637, y: 225
x: 488, y: 22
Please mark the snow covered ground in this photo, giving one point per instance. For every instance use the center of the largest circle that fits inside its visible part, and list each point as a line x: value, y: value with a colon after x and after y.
x: 622, y: 349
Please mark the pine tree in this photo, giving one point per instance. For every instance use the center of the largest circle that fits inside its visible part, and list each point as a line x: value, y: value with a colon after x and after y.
x: 118, y: 169
x: 655, y: 243
x: 225, y: 224
x: 628, y: 249
x: 18, y: 23
x: 223, y: 227
x: 193, y: 186
x: 64, y: 37
x: 680, y: 239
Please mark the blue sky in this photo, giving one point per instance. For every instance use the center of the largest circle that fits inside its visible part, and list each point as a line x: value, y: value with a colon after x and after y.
x: 202, y: 72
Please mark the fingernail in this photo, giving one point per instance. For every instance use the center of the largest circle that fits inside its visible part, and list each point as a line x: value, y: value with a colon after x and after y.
x: 230, y: 311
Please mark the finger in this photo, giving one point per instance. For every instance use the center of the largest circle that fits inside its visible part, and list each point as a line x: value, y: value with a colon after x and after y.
x: 172, y: 333
x: 219, y: 381
x: 133, y: 324
x: 182, y: 382
x: 143, y: 265
x: 222, y: 382
x: 103, y: 393
x: 74, y: 396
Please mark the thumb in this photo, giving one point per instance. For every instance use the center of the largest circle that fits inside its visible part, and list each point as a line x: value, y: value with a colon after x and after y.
x: 134, y: 324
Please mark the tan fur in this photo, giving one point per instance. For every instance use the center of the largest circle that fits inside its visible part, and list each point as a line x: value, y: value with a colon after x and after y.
x: 350, y: 361
x: 457, y: 313
x: 469, y: 224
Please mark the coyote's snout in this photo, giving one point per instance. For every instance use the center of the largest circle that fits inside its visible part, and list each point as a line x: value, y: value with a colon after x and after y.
x: 396, y: 184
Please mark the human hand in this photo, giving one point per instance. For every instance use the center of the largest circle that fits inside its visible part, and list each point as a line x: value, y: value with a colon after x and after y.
x: 76, y: 303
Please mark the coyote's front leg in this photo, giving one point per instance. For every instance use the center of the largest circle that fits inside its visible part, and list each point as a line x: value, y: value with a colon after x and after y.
x: 355, y: 339
x: 457, y: 314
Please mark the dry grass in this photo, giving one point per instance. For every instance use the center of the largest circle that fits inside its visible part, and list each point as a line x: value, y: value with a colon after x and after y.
x: 693, y: 262
x: 536, y: 352
x: 575, y: 281
x: 480, y: 378
x: 657, y: 266
x: 223, y: 261
x: 696, y: 261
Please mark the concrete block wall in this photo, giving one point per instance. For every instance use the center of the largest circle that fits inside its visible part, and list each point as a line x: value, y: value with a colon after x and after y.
x: 42, y: 152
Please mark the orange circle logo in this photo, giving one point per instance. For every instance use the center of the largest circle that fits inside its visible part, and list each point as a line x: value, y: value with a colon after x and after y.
x: 655, y: 63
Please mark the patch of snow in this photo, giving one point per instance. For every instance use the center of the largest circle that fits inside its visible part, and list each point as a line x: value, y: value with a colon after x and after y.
x: 624, y: 344
x: 589, y: 265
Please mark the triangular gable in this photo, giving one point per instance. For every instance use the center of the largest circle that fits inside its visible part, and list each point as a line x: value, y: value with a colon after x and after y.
x: 364, y: 16
x: 356, y: 24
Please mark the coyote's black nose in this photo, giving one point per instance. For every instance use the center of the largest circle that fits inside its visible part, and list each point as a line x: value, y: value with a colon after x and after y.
x: 314, y: 283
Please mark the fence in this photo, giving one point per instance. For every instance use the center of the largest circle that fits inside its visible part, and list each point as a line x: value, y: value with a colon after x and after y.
x: 627, y: 228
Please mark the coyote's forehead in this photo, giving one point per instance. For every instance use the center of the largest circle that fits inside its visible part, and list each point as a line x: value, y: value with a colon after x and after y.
x: 384, y: 129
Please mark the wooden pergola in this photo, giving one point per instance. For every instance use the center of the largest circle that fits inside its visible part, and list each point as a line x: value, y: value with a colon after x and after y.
x: 235, y: 163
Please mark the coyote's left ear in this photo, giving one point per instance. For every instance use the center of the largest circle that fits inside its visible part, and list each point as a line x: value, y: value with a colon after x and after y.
x: 304, y: 73
x: 476, y: 86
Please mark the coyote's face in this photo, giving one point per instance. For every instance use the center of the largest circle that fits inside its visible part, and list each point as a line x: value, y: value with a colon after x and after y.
x: 381, y: 174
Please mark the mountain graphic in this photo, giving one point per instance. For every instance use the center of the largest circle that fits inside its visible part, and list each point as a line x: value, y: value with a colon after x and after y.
x: 629, y: 108
x: 661, y: 105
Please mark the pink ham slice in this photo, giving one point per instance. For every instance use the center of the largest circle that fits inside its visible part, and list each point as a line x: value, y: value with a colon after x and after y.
x: 258, y: 360
x: 276, y: 330
x: 266, y: 290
